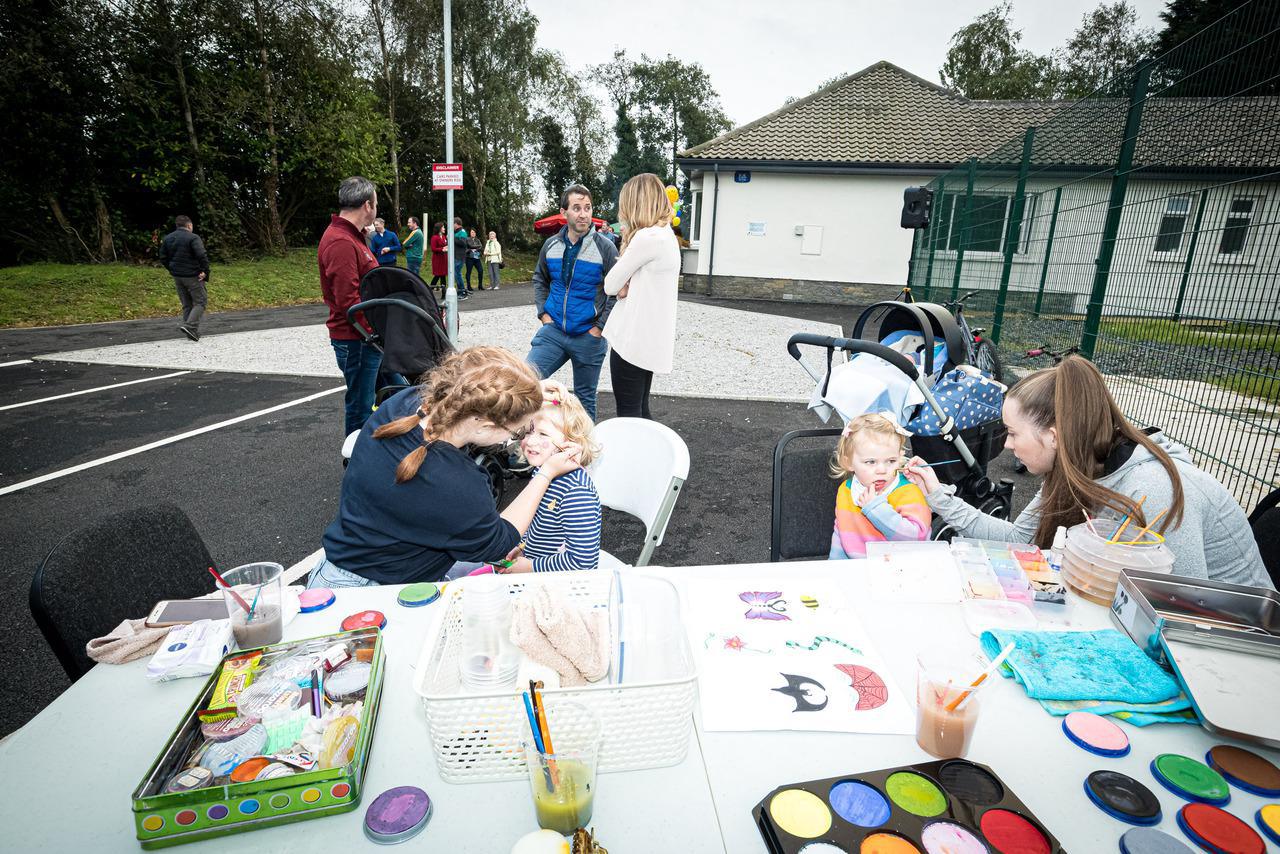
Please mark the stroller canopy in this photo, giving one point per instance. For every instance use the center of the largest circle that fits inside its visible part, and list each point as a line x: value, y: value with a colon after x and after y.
x: 933, y: 323
x: 411, y: 343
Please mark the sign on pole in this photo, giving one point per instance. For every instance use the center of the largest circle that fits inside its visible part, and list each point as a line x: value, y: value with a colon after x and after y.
x: 446, y: 176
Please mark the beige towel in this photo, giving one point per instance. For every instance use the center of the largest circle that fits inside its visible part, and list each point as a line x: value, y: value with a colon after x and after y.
x: 126, y: 642
x: 553, y: 632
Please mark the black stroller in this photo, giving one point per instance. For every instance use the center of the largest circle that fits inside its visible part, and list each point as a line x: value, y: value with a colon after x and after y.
x: 409, y: 331
x: 923, y: 342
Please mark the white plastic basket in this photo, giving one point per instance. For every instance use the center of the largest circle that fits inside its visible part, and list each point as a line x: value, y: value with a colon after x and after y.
x: 644, y: 724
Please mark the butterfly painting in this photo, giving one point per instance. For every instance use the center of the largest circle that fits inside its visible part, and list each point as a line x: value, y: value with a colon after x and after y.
x: 765, y: 605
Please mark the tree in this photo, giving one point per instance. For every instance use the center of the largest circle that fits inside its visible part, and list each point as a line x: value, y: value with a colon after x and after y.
x: 984, y: 60
x: 679, y: 108
x: 1220, y: 47
x: 557, y: 160
x: 1103, y: 51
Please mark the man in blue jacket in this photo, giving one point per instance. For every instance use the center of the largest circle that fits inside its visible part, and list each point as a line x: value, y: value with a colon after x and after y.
x: 568, y: 293
x: 384, y: 244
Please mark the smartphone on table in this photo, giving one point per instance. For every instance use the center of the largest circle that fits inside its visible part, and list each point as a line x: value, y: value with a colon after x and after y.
x: 176, y: 612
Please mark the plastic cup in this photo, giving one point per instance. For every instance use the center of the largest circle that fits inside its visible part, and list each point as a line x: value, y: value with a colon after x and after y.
x: 256, y: 586
x: 564, y: 782
x: 946, y: 707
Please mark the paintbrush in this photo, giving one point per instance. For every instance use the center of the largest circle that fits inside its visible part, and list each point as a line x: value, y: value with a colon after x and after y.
x: 234, y: 595
x: 991, y: 668
x: 1138, y: 536
x: 1127, y: 518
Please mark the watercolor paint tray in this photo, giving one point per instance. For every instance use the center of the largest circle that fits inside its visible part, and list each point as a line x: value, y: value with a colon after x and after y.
x: 863, y: 808
x: 162, y: 819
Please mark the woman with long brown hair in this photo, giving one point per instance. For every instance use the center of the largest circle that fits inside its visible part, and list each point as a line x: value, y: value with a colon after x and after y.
x: 413, y: 501
x: 641, y: 329
x: 1064, y: 425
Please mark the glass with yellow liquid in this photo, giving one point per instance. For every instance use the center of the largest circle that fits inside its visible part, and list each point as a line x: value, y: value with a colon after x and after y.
x: 564, y: 782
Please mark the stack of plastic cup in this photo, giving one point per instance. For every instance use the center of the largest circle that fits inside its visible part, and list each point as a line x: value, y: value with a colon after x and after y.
x: 489, y: 660
x: 1091, y: 565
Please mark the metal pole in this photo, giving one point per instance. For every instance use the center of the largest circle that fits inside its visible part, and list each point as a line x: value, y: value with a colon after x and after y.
x: 1048, y: 249
x: 1191, y: 254
x: 964, y: 227
x: 1115, y: 207
x: 933, y: 238
x: 1013, y: 232
x: 451, y: 293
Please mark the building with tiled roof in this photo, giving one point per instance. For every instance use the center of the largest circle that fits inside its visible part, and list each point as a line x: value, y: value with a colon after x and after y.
x: 804, y: 203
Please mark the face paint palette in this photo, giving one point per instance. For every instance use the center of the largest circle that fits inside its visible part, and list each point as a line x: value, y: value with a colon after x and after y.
x: 951, y: 805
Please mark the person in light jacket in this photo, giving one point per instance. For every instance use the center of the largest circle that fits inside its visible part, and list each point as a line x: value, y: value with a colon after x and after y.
x: 642, y: 327
x: 493, y: 259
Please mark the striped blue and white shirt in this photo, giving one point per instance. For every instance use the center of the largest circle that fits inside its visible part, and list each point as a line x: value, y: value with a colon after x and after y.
x: 565, y: 532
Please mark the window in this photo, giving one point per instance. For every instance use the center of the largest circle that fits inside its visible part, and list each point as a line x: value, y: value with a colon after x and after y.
x: 1235, y: 231
x: 988, y: 218
x: 1173, y: 223
x: 694, y: 215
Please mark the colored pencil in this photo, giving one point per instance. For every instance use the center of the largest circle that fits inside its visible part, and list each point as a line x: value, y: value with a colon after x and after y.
x: 234, y: 595
x: 533, y: 722
x: 991, y: 668
x: 546, y: 732
x: 1127, y: 517
x: 253, y: 606
x: 1138, y: 536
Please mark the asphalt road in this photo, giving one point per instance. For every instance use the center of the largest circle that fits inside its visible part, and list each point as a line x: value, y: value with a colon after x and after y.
x: 264, y: 488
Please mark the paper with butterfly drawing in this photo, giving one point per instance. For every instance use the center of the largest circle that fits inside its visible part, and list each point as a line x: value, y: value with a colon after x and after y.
x: 788, y: 656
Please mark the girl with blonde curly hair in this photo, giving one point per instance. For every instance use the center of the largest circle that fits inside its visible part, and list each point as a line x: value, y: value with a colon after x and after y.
x: 641, y: 329
x: 875, y: 502
x: 413, y: 502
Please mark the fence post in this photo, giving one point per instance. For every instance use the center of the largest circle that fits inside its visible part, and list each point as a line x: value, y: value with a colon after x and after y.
x: 1191, y: 254
x: 1013, y: 232
x: 964, y: 227
x: 933, y: 237
x: 1048, y: 249
x: 1115, y: 207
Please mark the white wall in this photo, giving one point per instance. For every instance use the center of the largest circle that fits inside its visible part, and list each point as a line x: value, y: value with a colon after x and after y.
x: 861, y: 239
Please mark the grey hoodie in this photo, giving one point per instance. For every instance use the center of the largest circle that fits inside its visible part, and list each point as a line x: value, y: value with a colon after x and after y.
x: 1214, y: 540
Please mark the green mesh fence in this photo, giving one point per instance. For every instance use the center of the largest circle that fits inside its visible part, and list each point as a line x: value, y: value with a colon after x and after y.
x: 1141, y: 225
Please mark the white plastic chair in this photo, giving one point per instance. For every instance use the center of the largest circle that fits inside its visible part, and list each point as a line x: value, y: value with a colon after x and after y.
x: 641, y: 469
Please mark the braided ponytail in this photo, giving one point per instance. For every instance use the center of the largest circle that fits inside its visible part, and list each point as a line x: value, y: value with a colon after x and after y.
x: 490, y: 383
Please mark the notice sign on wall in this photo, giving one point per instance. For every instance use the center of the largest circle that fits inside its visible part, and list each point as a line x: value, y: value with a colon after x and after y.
x: 446, y: 176
x: 755, y: 229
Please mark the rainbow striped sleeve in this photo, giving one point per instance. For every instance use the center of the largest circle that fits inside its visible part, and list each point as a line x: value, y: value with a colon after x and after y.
x: 900, y: 515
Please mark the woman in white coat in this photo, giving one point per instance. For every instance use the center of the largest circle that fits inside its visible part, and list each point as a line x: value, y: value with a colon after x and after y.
x: 641, y: 329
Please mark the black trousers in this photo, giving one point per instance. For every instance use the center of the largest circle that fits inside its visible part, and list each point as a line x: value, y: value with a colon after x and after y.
x: 630, y: 387
x: 439, y: 282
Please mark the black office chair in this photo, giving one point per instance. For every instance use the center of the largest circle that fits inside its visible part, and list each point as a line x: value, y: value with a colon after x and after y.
x: 113, y: 570
x: 804, y: 495
x: 1265, y: 521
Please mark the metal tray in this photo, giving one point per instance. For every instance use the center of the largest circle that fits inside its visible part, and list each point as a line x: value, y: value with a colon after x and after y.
x: 1221, y: 641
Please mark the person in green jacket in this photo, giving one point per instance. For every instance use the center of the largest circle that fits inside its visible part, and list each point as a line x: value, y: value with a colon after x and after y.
x: 413, y: 246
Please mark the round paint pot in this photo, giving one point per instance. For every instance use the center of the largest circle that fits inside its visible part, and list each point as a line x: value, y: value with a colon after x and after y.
x: 417, y: 595
x: 948, y: 837
x: 349, y: 682
x: 365, y: 620
x: 1245, y: 769
x: 397, y: 814
x: 1120, y: 796
x: 859, y: 803
x: 916, y: 794
x: 971, y: 783
x: 315, y: 599
x: 885, y: 843
x: 1189, y: 779
x: 1096, y: 734
x: 800, y: 813
x: 1219, y: 831
x: 228, y: 728
x: 1007, y: 830
x: 1145, y: 840
x: 1268, y: 821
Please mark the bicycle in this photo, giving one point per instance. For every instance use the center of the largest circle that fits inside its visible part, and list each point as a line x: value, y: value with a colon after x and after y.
x: 1043, y: 350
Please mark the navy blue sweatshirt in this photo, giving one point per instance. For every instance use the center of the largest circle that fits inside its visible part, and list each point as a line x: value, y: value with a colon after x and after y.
x: 396, y: 533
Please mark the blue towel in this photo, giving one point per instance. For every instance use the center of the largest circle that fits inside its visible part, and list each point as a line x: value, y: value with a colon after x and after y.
x: 1102, y: 665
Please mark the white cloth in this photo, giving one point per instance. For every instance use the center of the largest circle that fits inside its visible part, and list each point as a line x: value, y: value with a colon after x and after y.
x: 866, y: 384
x: 642, y: 325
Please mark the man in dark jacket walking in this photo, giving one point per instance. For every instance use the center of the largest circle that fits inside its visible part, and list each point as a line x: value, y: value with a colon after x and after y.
x: 182, y: 254
x: 569, y: 297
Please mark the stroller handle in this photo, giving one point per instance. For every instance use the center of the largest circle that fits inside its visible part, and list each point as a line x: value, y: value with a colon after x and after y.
x: 853, y: 345
x: 398, y: 303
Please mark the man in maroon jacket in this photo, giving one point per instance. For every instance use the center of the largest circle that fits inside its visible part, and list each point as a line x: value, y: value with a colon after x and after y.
x: 344, y: 259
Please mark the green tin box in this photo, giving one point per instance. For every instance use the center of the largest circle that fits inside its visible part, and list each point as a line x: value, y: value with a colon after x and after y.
x: 163, y: 819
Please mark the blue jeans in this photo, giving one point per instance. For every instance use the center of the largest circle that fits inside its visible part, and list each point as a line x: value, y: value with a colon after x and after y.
x: 326, y: 574
x: 414, y: 264
x: 457, y: 273
x: 551, y: 348
x: 359, y: 365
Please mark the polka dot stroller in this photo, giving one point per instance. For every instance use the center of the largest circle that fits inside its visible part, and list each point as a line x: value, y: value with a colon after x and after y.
x: 907, y: 358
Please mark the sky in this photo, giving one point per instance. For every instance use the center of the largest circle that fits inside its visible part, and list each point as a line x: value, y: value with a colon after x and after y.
x: 760, y: 53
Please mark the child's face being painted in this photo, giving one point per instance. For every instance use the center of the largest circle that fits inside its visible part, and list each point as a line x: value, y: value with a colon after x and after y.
x: 544, y: 440
x: 875, y: 460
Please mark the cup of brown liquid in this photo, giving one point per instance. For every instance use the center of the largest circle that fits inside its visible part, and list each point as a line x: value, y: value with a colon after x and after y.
x: 252, y: 595
x: 947, y: 704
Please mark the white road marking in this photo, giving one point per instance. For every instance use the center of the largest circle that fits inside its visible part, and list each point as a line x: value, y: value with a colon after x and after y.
x: 18, y: 362
x: 91, y: 390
